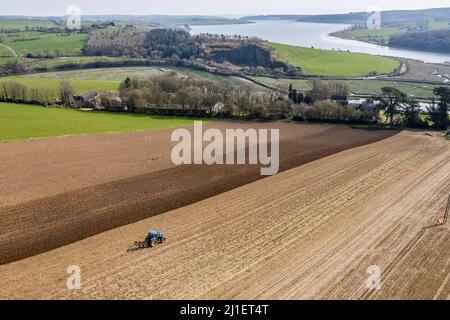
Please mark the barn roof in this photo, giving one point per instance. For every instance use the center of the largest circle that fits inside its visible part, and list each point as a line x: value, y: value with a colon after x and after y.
x: 339, y: 97
x: 87, y: 95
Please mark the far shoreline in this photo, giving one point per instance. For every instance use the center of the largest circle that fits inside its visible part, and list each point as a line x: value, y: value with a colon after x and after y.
x: 375, y: 49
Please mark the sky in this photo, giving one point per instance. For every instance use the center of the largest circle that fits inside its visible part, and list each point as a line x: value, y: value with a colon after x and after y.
x: 209, y: 7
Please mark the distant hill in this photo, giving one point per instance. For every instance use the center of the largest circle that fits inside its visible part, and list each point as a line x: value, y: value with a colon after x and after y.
x: 147, y: 20
x: 360, y: 18
x: 165, y: 20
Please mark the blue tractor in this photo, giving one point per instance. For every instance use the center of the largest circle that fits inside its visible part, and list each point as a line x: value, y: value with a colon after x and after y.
x: 153, y: 238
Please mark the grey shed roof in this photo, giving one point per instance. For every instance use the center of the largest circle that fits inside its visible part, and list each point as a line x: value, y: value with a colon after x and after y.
x: 339, y: 97
x: 87, y: 95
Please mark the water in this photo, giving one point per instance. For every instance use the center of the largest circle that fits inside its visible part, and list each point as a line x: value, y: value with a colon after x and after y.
x: 315, y: 35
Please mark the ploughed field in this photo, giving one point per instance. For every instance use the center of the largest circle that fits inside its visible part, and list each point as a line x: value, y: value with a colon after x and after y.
x: 60, y: 190
x: 308, y: 232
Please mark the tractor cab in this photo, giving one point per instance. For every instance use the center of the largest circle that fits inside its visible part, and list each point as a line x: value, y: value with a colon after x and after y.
x: 153, y: 234
x: 154, y: 237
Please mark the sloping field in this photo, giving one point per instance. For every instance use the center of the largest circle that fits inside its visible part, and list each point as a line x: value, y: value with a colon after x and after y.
x: 310, y: 232
x: 22, y: 23
x: 41, y: 42
x: 54, y: 84
x: 120, y: 74
x: 334, y: 63
x: 358, y: 87
x: 57, y: 191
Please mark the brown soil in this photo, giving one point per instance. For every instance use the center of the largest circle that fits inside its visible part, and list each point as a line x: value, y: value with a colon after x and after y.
x: 310, y: 232
x: 58, y: 191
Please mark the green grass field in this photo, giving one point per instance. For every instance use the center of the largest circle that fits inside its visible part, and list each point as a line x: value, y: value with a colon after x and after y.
x: 414, y: 90
x: 362, y: 87
x: 110, y: 78
x: 39, y: 42
x: 121, y: 73
x: 20, y: 122
x: 433, y: 25
x: 22, y: 23
x: 334, y: 63
x: 79, y: 85
x: 105, y: 74
x: 79, y: 60
x: 381, y: 35
x: 384, y: 34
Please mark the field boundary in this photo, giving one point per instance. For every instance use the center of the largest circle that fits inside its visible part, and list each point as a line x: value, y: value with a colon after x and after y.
x: 10, y: 49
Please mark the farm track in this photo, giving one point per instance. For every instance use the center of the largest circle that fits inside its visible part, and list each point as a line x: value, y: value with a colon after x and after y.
x: 14, y: 54
x: 309, y: 232
x: 41, y: 224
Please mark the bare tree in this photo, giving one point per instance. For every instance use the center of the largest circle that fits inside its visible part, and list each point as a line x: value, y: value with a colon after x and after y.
x: 66, y: 93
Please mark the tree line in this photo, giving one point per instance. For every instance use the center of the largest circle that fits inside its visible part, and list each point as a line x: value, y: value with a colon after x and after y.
x: 434, y: 40
x: 322, y: 90
x: 319, y: 105
x: 190, y: 96
x: 175, y: 95
x: 400, y: 110
x: 13, y: 91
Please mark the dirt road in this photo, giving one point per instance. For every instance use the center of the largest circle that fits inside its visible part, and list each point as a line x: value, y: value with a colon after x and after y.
x: 73, y: 188
x: 310, y: 232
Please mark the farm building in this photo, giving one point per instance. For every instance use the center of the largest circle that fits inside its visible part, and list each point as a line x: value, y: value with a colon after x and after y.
x: 85, y: 100
x: 342, y: 98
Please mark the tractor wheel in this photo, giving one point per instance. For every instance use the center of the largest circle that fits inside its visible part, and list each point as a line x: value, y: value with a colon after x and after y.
x: 152, y: 243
